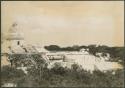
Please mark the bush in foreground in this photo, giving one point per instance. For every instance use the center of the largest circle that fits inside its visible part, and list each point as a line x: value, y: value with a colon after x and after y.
x: 62, y: 77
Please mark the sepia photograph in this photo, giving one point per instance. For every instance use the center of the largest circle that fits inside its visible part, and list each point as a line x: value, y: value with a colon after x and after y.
x: 62, y: 44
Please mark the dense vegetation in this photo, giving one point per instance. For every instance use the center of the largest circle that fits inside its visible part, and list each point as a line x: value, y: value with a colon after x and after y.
x: 62, y: 77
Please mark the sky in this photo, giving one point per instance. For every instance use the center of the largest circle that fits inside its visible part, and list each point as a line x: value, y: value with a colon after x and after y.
x: 66, y: 23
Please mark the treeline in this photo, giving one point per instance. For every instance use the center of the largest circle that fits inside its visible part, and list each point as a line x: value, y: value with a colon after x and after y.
x: 58, y: 48
x: 115, y: 52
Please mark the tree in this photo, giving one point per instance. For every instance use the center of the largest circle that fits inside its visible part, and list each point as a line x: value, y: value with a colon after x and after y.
x: 52, y: 48
x: 58, y: 69
x: 92, y: 49
x: 102, y: 48
x: 75, y: 47
x: 75, y: 67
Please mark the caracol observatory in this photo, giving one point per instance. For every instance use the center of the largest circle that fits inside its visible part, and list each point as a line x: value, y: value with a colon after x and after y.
x: 15, y: 37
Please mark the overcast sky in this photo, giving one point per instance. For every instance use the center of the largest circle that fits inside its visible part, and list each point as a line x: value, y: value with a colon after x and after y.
x: 66, y: 23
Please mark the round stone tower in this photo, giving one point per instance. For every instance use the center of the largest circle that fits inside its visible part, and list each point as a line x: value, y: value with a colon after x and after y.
x: 15, y: 37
